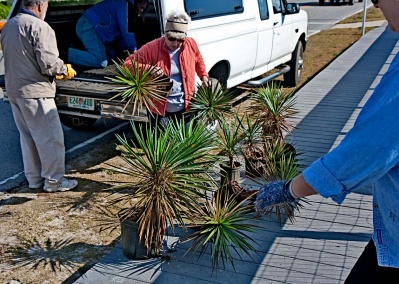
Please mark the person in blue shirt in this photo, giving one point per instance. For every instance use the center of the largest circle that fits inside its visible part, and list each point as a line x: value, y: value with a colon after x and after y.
x: 103, y: 30
x: 369, y: 154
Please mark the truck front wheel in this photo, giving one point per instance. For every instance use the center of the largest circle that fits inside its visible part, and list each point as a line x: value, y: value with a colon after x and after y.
x: 321, y: 2
x: 292, y: 78
x: 77, y: 122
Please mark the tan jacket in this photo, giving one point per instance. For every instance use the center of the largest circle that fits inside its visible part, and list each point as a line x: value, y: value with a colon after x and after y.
x: 30, y: 57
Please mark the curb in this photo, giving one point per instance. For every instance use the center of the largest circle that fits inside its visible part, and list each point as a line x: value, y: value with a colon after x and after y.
x: 359, y: 25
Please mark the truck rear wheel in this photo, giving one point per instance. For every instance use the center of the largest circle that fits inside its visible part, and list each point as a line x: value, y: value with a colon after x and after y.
x: 321, y: 2
x: 77, y: 122
x: 220, y: 72
x: 292, y: 78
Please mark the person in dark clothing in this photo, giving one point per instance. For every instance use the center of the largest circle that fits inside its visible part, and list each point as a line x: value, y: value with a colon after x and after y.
x: 103, y: 30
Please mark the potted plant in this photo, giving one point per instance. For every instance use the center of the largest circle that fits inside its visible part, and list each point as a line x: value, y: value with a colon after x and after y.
x: 140, y: 87
x: 273, y: 107
x: 253, y: 146
x: 223, y: 226
x: 170, y: 170
x: 211, y: 104
x: 281, y: 163
x: 227, y: 142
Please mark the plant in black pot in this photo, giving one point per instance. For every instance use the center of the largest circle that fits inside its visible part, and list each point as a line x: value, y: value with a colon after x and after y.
x: 170, y: 176
x: 223, y: 227
x: 273, y: 107
x: 211, y: 104
x: 281, y: 163
x: 140, y: 87
x: 252, y: 146
x: 227, y: 142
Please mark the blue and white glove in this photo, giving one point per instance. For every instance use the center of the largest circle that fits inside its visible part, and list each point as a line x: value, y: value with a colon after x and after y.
x: 273, y: 193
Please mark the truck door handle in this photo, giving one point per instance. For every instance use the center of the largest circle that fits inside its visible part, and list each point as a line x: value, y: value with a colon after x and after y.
x: 275, y: 23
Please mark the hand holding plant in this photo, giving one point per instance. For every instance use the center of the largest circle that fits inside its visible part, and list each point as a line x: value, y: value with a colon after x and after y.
x: 273, y: 193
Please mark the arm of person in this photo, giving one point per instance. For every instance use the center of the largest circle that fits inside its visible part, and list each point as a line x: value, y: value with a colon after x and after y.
x: 145, y: 58
x: 205, y: 81
x: 300, y: 188
x: 47, y: 55
x: 200, y: 67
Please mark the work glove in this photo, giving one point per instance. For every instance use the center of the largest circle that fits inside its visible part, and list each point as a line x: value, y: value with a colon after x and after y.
x: 69, y: 75
x: 272, y: 194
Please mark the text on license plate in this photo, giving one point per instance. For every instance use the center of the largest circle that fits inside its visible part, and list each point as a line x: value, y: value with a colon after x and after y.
x: 82, y: 103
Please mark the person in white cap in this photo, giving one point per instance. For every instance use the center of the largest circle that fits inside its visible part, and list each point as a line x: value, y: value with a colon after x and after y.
x: 178, y: 57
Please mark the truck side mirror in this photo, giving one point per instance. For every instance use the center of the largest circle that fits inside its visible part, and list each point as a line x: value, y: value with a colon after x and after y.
x: 292, y: 8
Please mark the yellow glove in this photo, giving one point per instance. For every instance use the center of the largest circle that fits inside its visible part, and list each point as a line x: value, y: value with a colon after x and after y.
x: 69, y: 75
x: 70, y: 72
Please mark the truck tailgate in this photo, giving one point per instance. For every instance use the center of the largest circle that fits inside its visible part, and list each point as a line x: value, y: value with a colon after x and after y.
x: 90, y: 83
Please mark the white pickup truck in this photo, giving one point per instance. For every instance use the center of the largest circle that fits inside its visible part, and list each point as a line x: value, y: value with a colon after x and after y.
x: 240, y: 41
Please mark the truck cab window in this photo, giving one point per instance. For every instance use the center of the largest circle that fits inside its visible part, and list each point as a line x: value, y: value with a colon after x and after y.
x: 263, y: 10
x: 278, y: 6
x: 208, y: 9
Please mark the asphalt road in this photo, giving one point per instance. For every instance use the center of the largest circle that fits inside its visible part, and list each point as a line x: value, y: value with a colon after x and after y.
x: 77, y: 142
x: 326, y: 16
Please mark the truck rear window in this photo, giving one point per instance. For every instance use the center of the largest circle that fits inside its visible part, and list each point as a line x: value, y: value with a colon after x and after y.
x: 212, y: 8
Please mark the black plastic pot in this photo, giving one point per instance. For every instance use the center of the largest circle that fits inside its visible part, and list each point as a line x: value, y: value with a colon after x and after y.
x: 228, y: 174
x: 131, y: 245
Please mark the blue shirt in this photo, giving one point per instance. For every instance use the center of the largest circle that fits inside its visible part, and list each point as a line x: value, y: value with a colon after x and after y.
x: 369, y: 153
x: 109, y: 19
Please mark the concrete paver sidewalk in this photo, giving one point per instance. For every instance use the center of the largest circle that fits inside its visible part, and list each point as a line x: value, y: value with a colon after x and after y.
x: 326, y: 239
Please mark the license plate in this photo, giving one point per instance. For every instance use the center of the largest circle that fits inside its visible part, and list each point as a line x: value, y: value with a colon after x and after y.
x: 82, y: 103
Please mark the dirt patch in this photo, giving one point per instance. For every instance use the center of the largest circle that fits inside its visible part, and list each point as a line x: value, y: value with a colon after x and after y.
x: 58, y: 228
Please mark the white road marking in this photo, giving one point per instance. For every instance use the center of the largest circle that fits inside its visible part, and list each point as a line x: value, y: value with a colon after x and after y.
x: 91, y: 140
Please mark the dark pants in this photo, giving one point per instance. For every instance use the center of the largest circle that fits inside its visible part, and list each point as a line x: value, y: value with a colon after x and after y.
x: 367, y: 270
x: 163, y: 121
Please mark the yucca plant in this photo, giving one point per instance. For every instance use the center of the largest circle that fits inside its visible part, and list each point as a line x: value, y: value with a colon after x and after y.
x: 227, y: 142
x: 228, y: 139
x: 223, y: 227
x: 211, y: 103
x: 281, y: 163
x: 171, y: 170
x: 140, y: 86
x: 273, y: 106
x: 252, y: 143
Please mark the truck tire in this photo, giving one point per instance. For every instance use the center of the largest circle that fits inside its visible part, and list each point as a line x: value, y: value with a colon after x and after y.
x: 321, y: 2
x: 220, y: 72
x: 351, y: 2
x: 77, y: 122
x: 292, y: 78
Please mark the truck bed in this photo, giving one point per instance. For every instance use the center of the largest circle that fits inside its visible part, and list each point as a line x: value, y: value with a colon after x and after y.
x: 91, y: 83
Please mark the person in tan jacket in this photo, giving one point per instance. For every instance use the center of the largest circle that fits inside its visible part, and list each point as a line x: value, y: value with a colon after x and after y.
x: 31, y: 64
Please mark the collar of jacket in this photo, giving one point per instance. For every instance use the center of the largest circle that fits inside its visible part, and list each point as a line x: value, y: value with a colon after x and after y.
x: 26, y: 11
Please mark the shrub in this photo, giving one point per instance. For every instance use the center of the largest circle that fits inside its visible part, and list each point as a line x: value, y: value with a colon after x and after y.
x: 4, y: 10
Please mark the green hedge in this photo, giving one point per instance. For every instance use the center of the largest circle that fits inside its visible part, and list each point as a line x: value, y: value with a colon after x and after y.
x: 4, y: 10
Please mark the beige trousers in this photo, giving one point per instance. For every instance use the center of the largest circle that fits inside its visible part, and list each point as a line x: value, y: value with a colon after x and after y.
x: 41, y: 137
